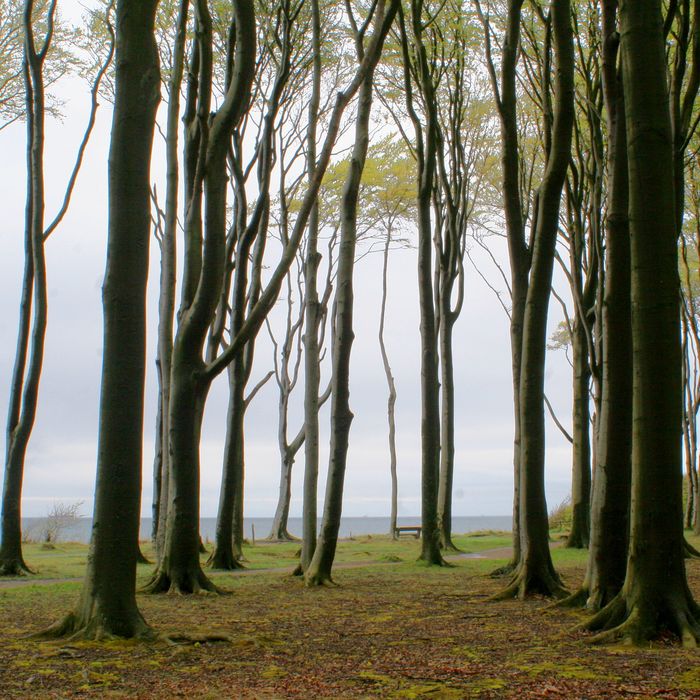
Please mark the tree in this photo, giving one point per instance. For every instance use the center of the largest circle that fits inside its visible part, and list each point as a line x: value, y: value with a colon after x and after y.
x: 415, y: 57
x: 58, y: 61
x: 611, y: 488
x: 33, y: 316
x: 319, y: 569
x: 531, y: 277
x: 107, y: 605
x: 655, y: 596
x: 166, y: 228
x: 584, y: 239
x: 206, y: 151
x: 280, y: 61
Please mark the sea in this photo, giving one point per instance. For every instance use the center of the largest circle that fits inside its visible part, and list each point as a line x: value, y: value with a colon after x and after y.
x: 259, y: 528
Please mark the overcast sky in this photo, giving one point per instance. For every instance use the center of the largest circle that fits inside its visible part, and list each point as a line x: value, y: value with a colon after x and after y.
x: 60, y: 463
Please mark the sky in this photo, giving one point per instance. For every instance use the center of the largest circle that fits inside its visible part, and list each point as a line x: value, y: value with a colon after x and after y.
x: 60, y: 465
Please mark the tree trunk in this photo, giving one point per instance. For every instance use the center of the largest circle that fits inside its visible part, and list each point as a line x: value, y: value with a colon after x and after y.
x: 581, y: 472
x: 107, y: 603
x: 24, y: 391
x: 611, y: 485
x: 179, y: 566
x: 168, y: 272
x: 391, y: 400
x: 447, y: 425
x: 227, y: 551
x: 312, y: 319
x: 535, y: 572
x: 278, y: 531
x: 319, y: 570
x: 655, y: 597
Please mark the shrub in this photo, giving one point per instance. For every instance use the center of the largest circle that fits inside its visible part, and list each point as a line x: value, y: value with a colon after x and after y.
x: 561, y: 515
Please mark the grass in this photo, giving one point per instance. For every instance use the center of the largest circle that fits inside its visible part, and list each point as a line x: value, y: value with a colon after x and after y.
x: 387, y: 630
x: 67, y: 560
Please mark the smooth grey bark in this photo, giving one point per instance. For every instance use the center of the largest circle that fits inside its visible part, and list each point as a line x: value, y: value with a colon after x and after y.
x: 107, y: 605
x: 250, y: 234
x: 655, y: 597
x: 581, y: 472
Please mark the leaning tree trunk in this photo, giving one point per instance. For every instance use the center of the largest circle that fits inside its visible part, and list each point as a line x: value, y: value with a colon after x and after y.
x: 535, y: 572
x: 107, y: 604
x: 319, y: 570
x: 655, y: 597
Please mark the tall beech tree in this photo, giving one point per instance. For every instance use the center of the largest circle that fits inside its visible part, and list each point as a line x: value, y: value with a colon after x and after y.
x: 426, y: 131
x: 605, y: 571
x: 107, y: 605
x: 167, y: 242
x: 380, y: 18
x: 582, y: 236
x: 531, y: 264
x: 505, y: 97
x: 535, y: 572
x: 655, y: 596
x: 33, y: 316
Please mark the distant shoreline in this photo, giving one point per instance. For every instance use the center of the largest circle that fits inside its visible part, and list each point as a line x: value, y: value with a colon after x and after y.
x: 349, y: 527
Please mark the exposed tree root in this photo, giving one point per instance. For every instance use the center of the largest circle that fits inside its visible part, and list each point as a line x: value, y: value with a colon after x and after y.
x: 184, y: 582
x: 224, y: 561
x: 318, y: 579
x: 72, y: 628
x: 183, y: 639
x: 689, y: 551
x: 645, y: 622
x: 449, y: 546
x: 505, y: 570
x: 281, y: 536
x: 527, y: 582
x: 577, y: 599
x: 14, y: 566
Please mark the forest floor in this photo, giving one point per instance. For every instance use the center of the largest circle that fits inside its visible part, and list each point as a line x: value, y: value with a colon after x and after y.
x: 390, y: 628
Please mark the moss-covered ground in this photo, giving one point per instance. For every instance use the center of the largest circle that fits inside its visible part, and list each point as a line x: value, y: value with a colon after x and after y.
x: 391, y: 628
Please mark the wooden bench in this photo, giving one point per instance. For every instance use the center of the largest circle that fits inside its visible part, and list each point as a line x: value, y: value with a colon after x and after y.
x: 408, y: 530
